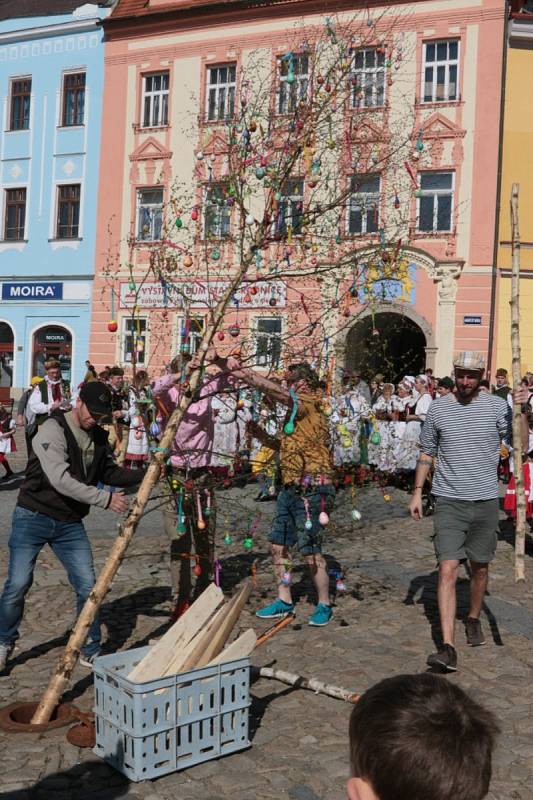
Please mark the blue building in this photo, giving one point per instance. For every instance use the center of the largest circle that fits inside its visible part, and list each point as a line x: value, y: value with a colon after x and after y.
x: 51, y: 84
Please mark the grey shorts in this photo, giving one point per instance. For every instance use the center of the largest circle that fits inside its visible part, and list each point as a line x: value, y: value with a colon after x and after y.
x: 465, y: 529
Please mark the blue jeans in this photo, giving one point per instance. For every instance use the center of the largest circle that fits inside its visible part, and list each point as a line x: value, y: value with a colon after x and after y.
x: 30, y: 532
x: 288, y: 528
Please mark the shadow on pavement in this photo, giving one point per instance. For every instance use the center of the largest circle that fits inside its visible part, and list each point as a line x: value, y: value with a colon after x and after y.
x: 426, y: 585
x: 80, y: 782
x: 506, y: 534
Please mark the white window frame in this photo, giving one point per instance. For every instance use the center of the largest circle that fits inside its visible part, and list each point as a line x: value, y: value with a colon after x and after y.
x: 195, y: 337
x: 447, y: 63
x: 366, y: 197
x: 288, y: 200
x: 64, y: 75
x: 363, y: 75
x: 435, y: 193
x: 229, y: 88
x: 266, y: 362
x: 290, y: 94
x: 153, y: 214
x: 222, y: 226
x: 124, y: 333
x: 162, y: 94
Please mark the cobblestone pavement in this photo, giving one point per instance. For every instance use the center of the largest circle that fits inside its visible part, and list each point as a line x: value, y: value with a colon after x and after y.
x: 382, y: 626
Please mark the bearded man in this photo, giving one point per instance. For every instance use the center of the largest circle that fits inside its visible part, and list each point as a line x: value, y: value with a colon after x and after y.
x: 463, y: 431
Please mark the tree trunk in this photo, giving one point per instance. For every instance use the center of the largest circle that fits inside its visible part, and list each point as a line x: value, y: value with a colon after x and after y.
x: 520, y: 530
x: 63, y: 671
x: 299, y: 682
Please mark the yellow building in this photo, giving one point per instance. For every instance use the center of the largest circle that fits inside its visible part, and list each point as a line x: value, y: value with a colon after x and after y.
x: 517, y: 167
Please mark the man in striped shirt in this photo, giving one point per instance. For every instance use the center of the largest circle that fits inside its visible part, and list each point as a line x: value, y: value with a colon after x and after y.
x: 463, y: 431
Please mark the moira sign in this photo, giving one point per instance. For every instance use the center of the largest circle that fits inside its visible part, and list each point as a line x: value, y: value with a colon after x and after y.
x: 199, y: 294
x: 32, y: 291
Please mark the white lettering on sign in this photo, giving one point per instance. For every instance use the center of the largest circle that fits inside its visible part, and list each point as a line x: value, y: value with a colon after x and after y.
x: 31, y: 291
x: 201, y: 295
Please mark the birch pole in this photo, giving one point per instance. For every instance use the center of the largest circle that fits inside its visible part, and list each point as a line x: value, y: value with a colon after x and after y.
x: 60, y: 677
x: 520, y: 529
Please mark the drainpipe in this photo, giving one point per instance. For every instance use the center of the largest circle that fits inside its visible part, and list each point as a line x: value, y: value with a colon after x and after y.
x: 498, y: 196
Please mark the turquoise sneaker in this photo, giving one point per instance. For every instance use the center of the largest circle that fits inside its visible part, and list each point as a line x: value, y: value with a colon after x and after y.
x: 276, y: 610
x: 321, y: 615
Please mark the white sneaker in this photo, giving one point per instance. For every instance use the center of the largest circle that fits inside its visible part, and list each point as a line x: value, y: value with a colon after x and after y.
x: 5, y: 652
x: 88, y: 661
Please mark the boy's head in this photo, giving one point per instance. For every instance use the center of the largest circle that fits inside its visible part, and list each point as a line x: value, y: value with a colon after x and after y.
x: 415, y: 737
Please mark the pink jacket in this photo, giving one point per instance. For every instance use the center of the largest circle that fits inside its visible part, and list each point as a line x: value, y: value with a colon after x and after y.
x: 193, y: 444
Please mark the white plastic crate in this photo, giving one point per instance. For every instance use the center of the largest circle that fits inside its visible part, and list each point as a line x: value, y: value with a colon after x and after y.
x: 149, y: 729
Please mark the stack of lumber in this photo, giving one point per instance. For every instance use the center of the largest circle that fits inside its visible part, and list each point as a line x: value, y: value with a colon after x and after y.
x: 198, y: 638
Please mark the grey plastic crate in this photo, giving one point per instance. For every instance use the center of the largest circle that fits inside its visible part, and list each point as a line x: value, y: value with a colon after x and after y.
x: 145, y: 730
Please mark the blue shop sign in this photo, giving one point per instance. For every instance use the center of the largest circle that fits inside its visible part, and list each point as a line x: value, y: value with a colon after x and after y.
x: 32, y: 291
x: 472, y: 319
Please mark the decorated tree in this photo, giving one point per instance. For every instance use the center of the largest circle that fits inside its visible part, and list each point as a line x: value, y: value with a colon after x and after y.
x: 281, y: 210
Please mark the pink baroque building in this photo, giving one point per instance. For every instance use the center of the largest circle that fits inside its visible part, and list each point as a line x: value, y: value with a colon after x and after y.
x: 173, y: 72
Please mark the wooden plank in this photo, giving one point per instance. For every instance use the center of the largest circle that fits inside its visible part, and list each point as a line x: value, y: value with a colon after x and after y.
x: 240, y: 648
x: 156, y: 661
x: 187, y: 657
x: 222, y: 634
x: 212, y: 638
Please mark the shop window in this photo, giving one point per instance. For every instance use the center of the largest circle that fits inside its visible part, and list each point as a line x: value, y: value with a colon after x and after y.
x: 134, y: 340
x: 20, y: 101
x: 68, y: 211
x: 73, y: 112
x: 15, y: 214
x: 52, y: 341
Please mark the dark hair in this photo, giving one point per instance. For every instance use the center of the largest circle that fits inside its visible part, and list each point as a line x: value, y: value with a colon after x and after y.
x: 304, y: 372
x: 415, y: 737
x: 485, y: 383
x: 116, y: 371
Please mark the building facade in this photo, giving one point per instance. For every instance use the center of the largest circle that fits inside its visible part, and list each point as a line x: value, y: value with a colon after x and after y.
x: 431, y: 68
x: 516, y: 168
x: 51, y: 84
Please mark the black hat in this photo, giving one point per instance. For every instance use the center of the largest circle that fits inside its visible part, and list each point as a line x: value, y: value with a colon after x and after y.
x: 97, y: 397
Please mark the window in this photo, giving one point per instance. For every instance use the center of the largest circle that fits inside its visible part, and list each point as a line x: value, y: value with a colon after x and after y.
x: 439, y: 78
x: 290, y: 208
x: 363, y: 208
x: 369, y: 78
x: 435, y: 201
x: 149, y: 214
x: 68, y: 211
x: 15, y: 215
x: 190, y: 334
x: 73, y: 99
x: 217, y: 212
x: 268, y: 342
x: 155, y: 100
x: 293, y: 82
x: 220, y: 94
x: 19, y: 118
x: 134, y: 340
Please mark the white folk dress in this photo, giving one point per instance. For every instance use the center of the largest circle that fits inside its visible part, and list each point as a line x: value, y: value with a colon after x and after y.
x: 411, y: 438
x: 348, y: 411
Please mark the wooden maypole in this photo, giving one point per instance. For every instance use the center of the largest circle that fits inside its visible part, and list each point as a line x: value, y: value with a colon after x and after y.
x: 59, y: 680
x: 520, y: 530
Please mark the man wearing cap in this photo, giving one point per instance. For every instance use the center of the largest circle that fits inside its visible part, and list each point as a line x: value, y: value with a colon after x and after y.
x: 502, y: 388
x: 70, y: 456
x: 463, y: 431
x: 50, y: 393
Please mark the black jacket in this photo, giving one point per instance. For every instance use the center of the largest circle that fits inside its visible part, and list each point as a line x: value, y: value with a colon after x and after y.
x: 38, y: 494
